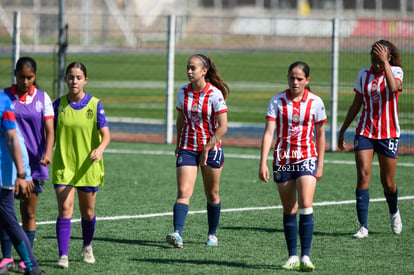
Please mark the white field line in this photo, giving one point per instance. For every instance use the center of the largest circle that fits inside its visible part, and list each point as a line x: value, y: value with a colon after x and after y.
x: 239, y: 156
x: 154, y: 215
x: 227, y: 155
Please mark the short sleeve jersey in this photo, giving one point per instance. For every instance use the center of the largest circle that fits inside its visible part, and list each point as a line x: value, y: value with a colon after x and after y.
x: 8, y: 122
x: 379, y: 117
x: 31, y: 111
x: 77, y: 134
x: 8, y: 169
x: 295, y: 123
x: 200, y: 111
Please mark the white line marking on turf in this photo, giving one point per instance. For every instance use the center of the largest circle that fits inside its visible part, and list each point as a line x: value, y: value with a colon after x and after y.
x: 235, y: 156
x: 143, y: 216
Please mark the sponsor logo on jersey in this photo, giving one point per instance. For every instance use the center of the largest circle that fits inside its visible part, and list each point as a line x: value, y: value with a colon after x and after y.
x: 288, y: 154
x: 376, y: 97
x: 295, y: 130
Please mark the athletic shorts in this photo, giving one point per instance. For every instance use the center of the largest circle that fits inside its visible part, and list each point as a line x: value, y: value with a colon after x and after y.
x: 287, y: 172
x: 191, y: 158
x: 387, y: 147
x: 86, y: 189
x: 38, y: 186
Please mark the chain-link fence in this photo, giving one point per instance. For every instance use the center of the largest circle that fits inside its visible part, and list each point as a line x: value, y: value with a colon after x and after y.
x: 126, y: 56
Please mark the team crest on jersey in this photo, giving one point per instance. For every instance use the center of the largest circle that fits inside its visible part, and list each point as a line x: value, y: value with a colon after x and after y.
x: 296, y: 118
x: 194, y: 107
x: 39, y: 106
x: 374, y: 86
x: 89, y: 114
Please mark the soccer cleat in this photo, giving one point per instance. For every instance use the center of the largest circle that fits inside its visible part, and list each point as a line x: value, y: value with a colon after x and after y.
x: 63, y: 262
x: 292, y: 263
x: 396, y: 223
x: 21, y: 268
x: 6, y: 264
x: 212, y: 240
x: 361, y: 234
x: 175, y: 240
x: 306, y: 264
x: 87, y: 254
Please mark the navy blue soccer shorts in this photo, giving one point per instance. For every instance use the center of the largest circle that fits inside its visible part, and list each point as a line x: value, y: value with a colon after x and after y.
x: 387, y: 147
x: 38, y: 186
x: 185, y: 157
x: 86, y: 189
x: 287, y: 172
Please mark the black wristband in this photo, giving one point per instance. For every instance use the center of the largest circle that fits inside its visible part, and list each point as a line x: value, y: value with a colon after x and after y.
x: 21, y: 175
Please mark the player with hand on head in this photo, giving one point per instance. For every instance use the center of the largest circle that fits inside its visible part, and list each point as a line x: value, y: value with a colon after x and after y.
x: 201, y: 123
x: 295, y: 114
x: 377, y: 88
x: 82, y: 135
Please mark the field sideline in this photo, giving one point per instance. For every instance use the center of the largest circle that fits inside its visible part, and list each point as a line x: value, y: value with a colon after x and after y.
x: 134, y: 214
x: 235, y: 156
x: 166, y: 214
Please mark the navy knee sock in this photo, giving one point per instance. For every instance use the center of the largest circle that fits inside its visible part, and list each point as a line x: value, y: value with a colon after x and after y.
x: 306, y: 225
x: 290, y: 226
x: 213, y: 216
x: 392, y: 200
x: 31, y: 234
x: 180, y: 215
x: 362, y: 203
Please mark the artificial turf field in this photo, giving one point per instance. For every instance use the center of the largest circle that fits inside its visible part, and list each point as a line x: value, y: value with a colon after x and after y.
x: 134, y: 214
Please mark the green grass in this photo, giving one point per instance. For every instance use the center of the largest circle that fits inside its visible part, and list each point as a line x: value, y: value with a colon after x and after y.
x: 134, y: 85
x: 139, y: 182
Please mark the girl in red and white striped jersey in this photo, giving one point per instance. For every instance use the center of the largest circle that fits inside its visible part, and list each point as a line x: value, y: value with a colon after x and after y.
x: 295, y: 114
x: 201, y: 123
x: 377, y: 88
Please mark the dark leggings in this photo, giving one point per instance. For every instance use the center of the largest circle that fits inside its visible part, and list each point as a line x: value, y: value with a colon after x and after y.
x: 18, y: 237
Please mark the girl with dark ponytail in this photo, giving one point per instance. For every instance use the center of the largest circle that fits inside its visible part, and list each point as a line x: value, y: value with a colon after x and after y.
x: 201, y: 123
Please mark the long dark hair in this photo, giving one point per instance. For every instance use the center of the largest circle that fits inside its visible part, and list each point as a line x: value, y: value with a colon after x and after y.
x: 393, y: 53
x: 212, y: 74
x: 304, y: 67
x: 26, y: 62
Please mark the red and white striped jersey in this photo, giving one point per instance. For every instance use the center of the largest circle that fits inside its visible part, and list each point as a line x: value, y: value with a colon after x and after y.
x: 200, y: 110
x: 295, y: 126
x: 379, y: 117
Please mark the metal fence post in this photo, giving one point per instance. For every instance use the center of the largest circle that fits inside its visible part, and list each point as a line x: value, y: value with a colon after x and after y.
x: 334, y: 82
x: 170, y: 80
x: 63, y: 43
x: 16, y: 43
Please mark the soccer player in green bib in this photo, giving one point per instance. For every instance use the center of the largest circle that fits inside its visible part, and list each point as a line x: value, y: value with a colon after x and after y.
x: 82, y: 135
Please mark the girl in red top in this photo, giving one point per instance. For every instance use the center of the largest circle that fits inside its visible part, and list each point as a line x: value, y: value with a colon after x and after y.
x: 295, y: 114
x: 201, y: 123
x: 377, y: 88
